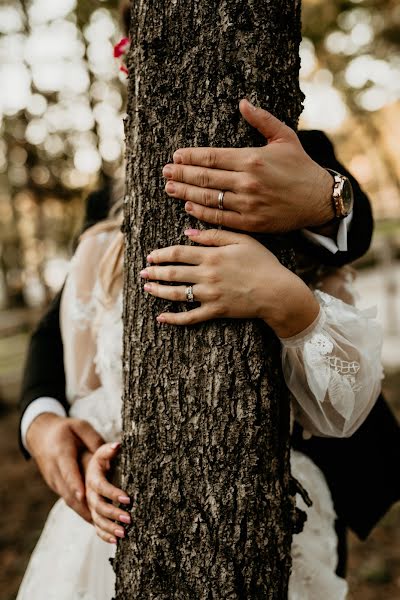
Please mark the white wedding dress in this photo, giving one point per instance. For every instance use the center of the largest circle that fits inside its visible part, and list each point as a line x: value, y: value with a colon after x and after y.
x: 333, y: 371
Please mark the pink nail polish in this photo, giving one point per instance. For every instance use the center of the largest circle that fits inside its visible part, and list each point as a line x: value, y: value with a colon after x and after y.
x: 170, y: 187
x: 188, y: 206
x: 161, y: 319
x: 177, y: 158
x: 191, y: 232
x: 119, y: 533
x: 124, y: 519
x: 113, y: 540
x: 144, y: 273
x: 124, y: 499
x: 147, y: 287
x: 149, y: 259
x: 115, y: 445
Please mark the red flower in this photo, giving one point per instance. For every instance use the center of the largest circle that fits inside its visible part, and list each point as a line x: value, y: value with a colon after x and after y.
x: 121, y: 48
x: 124, y: 69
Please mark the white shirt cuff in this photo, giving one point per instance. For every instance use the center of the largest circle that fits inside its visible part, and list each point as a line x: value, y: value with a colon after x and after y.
x: 327, y: 242
x: 36, y: 408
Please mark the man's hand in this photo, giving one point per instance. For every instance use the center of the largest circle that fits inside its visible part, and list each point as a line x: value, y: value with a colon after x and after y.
x: 56, y: 444
x: 275, y: 188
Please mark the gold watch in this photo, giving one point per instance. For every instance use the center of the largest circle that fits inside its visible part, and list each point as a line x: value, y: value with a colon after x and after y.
x: 342, y: 195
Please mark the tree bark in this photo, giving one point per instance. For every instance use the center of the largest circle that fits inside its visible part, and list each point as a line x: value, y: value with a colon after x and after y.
x: 206, y: 414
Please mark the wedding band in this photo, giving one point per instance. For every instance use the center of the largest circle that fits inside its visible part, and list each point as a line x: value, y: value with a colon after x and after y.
x: 189, y: 294
x: 221, y: 200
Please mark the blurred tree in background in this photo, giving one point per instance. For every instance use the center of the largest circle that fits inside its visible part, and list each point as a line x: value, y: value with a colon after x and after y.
x: 62, y: 102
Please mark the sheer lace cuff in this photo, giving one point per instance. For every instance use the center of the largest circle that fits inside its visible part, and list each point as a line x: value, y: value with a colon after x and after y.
x: 333, y: 368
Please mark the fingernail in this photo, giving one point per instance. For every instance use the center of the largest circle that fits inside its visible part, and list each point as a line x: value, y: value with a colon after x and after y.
x: 161, y: 319
x: 191, y: 232
x: 149, y: 259
x: 79, y: 496
x: 113, y: 540
x: 147, y: 287
x: 144, y: 273
x: 125, y: 519
x: 188, y: 206
x: 119, y: 533
x: 170, y: 187
x: 124, y: 499
x: 167, y: 172
x: 251, y: 105
x: 115, y: 445
x: 177, y: 157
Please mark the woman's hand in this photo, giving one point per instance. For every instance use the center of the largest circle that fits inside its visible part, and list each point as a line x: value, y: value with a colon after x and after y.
x: 100, y: 493
x: 235, y: 277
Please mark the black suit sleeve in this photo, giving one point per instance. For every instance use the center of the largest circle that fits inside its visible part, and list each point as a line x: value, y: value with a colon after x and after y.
x: 320, y: 149
x: 361, y: 471
x: 43, y: 373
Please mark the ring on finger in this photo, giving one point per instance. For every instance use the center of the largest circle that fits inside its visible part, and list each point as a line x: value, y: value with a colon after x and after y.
x: 221, y: 200
x: 189, y: 294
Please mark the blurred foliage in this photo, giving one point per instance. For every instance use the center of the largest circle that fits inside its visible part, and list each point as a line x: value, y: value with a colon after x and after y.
x: 61, y: 104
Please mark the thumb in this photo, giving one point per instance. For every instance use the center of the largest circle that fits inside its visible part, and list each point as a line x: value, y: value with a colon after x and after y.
x: 268, y: 125
x: 107, y: 452
x: 88, y: 436
x: 213, y: 237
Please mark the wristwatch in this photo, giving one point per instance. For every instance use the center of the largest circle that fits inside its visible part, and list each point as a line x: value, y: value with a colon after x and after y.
x: 342, y: 195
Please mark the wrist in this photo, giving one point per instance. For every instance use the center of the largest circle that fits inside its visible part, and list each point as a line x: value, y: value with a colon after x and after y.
x: 35, y: 429
x: 325, y: 213
x: 295, y: 307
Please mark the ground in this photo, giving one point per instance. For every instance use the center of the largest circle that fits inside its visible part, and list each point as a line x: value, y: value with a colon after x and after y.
x: 374, y: 565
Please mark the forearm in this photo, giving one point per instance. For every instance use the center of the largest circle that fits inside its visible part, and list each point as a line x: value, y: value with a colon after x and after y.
x: 293, y: 307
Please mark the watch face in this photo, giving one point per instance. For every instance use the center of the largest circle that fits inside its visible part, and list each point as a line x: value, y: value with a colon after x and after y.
x: 347, y: 196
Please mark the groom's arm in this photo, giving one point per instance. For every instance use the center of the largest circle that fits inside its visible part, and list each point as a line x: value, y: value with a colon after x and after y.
x: 47, y: 434
x: 354, y: 234
x: 43, y: 381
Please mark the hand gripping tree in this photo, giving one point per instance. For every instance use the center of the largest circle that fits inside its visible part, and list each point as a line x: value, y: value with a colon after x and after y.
x: 206, y: 415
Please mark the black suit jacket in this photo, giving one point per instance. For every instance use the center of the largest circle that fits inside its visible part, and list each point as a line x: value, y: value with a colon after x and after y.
x: 355, y: 468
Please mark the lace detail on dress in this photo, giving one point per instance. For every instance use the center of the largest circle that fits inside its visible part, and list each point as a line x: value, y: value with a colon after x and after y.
x: 333, y: 368
x: 82, y: 313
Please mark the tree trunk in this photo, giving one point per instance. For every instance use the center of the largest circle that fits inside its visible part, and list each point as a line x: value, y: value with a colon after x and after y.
x: 206, y: 415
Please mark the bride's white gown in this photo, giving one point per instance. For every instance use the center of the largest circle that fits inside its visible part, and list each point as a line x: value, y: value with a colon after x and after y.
x: 333, y: 369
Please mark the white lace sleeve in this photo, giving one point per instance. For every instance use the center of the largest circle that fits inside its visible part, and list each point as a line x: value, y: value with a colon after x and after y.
x: 333, y: 368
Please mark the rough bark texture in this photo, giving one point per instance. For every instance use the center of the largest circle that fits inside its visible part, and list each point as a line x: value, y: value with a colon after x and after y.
x: 206, y: 415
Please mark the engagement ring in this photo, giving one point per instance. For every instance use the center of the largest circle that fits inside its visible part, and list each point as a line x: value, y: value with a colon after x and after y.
x: 189, y: 294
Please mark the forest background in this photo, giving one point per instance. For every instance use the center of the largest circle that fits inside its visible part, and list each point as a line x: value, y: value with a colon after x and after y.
x: 62, y: 99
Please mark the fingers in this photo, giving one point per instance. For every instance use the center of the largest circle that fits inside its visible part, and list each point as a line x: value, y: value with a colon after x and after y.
x: 98, y: 483
x: 190, y: 255
x: 71, y: 476
x: 107, y: 528
x: 173, y: 273
x: 70, y: 497
x: 106, y: 453
x: 215, y: 237
x: 268, y: 125
x: 227, y: 159
x: 85, y: 432
x: 224, y: 218
x: 176, y: 293
x: 202, y: 177
x: 204, y: 196
x: 190, y: 317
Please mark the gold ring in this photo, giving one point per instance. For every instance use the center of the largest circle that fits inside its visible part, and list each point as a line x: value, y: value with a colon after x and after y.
x: 221, y: 200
